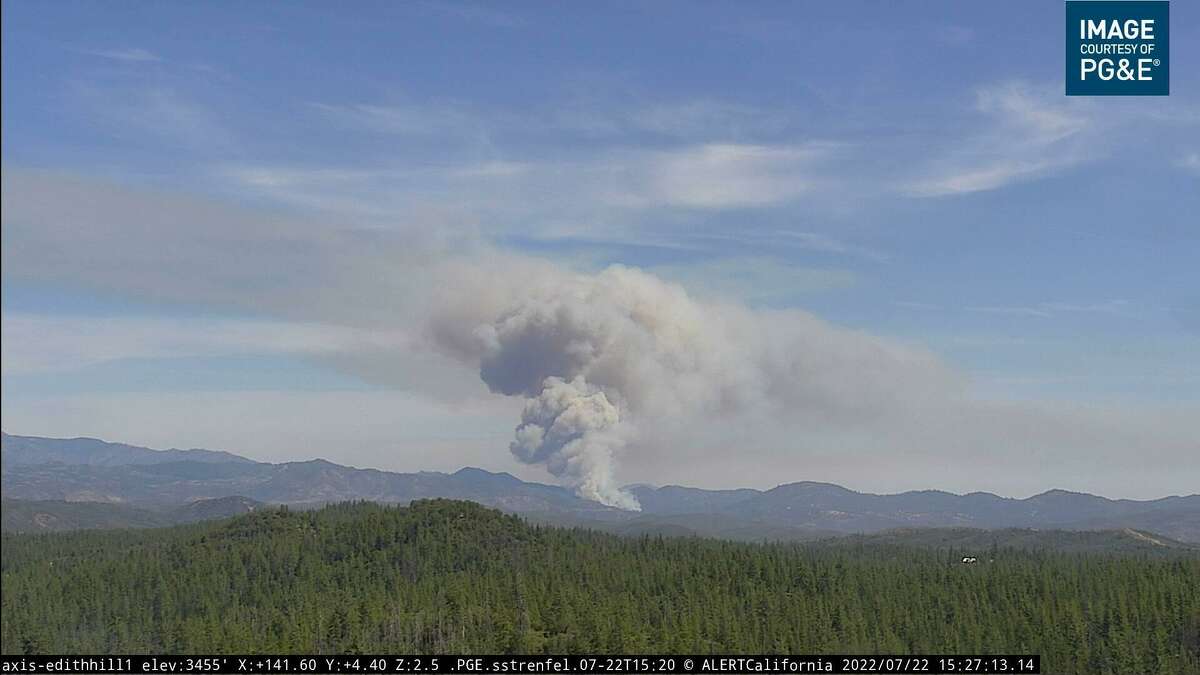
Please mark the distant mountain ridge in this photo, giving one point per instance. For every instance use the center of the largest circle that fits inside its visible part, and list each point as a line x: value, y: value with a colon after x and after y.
x: 85, y: 470
x: 93, y: 451
x: 90, y: 470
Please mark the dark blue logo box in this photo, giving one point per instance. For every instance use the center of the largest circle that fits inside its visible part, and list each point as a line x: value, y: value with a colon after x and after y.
x: 1118, y: 48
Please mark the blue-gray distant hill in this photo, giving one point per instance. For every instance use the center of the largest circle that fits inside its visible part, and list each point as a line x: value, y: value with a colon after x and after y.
x: 26, y: 450
x: 68, y: 471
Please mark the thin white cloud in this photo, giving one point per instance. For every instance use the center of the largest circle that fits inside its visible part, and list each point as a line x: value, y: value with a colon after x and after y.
x: 922, y: 306
x: 521, y: 195
x: 714, y: 153
x: 162, y: 113
x: 814, y: 241
x: 1032, y: 134
x: 788, y: 240
x: 425, y: 119
x: 130, y: 55
x: 1017, y: 311
x: 700, y: 120
x: 1049, y: 309
x: 1107, y: 307
x: 720, y: 176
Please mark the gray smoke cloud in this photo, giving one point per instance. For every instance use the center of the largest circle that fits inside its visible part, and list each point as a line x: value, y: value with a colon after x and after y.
x: 571, y: 427
x: 601, y: 357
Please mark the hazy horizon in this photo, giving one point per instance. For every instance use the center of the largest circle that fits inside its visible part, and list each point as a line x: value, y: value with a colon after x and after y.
x: 546, y: 480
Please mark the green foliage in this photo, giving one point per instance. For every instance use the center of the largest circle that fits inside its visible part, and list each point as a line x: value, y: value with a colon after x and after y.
x: 453, y: 577
x: 20, y: 515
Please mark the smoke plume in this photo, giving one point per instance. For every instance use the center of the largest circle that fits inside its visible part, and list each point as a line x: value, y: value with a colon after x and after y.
x: 571, y: 428
x: 599, y: 357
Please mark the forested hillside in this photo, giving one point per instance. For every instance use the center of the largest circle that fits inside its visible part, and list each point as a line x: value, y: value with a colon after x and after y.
x: 18, y: 515
x: 447, y: 576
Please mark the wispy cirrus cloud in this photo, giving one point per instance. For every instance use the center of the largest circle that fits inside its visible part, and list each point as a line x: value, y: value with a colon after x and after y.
x: 707, y: 119
x: 424, y: 119
x: 793, y: 241
x: 1031, y: 135
x: 920, y: 306
x: 702, y: 177
x: 1050, y: 309
x: 814, y: 241
x: 721, y: 175
x: 554, y: 165
x: 1013, y: 132
x: 1013, y: 311
x: 137, y: 111
x: 129, y: 55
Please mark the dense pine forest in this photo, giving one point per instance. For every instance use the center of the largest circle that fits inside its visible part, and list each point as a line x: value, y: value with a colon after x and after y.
x: 453, y: 577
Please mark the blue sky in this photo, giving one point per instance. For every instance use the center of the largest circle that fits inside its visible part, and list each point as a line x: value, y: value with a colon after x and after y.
x: 908, y: 170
